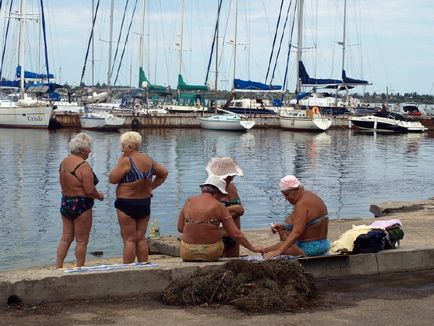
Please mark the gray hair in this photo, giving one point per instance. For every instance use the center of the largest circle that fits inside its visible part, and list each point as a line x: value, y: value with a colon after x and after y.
x: 131, y: 139
x: 210, y: 189
x: 80, y: 142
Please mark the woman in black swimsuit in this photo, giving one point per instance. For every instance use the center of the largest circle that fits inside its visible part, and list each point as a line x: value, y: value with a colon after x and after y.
x: 78, y: 182
x: 136, y: 175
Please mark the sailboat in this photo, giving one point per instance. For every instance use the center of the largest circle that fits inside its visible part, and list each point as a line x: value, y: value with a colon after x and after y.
x: 310, y: 119
x: 189, y: 97
x: 27, y: 112
x: 329, y: 102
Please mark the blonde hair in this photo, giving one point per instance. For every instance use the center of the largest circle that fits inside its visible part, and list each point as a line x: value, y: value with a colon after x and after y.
x: 80, y: 142
x: 131, y: 139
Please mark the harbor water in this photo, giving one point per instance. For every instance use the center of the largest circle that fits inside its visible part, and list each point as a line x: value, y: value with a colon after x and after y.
x: 348, y: 170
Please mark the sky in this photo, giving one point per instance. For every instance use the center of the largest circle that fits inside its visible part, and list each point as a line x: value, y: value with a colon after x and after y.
x: 390, y: 43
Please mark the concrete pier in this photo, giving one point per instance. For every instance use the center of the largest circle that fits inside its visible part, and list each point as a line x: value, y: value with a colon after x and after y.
x: 47, y: 284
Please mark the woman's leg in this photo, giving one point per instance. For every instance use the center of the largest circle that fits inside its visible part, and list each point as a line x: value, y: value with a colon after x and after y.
x: 142, y: 249
x: 65, y: 241
x: 82, y: 226
x: 128, y: 233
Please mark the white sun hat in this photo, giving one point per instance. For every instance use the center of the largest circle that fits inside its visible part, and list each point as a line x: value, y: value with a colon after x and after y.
x: 217, y: 182
x: 223, y: 167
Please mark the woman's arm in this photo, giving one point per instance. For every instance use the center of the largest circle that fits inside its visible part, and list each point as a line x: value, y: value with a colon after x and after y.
x: 181, y: 220
x: 119, y: 171
x: 160, y: 173
x: 234, y: 232
x: 87, y: 183
x: 299, y: 219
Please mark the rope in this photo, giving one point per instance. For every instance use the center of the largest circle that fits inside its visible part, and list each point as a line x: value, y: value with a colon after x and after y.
x: 5, y: 39
x: 88, y: 43
x: 274, y: 40
x: 119, y: 38
x: 213, y: 41
x: 281, y: 41
x: 125, y: 43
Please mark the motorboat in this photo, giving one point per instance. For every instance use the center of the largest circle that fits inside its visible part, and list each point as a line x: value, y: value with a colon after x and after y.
x: 305, y: 120
x: 385, y: 121
x: 227, y: 121
x: 101, y: 120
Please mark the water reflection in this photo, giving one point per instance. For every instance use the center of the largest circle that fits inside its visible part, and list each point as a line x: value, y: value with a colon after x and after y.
x: 348, y: 170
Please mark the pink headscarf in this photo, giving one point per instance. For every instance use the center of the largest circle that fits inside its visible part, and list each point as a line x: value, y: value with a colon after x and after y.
x: 289, y: 182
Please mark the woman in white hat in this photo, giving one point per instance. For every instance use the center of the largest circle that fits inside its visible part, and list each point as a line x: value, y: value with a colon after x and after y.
x: 227, y: 168
x: 199, y: 222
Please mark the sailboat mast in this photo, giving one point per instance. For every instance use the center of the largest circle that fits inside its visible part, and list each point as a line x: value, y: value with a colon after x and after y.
x: 299, y: 42
x: 109, y: 71
x: 22, y: 19
x: 235, y: 39
x: 142, y: 35
x: 344, y: 35
x: 181, y: 37
x: 93, y: 45
x: 217, y: 45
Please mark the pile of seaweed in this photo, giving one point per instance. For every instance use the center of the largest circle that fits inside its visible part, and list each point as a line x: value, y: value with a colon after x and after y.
x: 250, y: 286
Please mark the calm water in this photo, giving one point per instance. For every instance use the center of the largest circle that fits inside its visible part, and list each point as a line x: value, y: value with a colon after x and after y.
x: 348, y: 170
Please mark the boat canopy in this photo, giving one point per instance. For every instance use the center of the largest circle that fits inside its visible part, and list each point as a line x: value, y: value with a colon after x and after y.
x: 190, y: 99
x: 151, y: 87
x: 42, y: 87
x: 32, y: 75
x: 314, y: 82
x: 248, y: 85
x: 353, y: 82
x: 182, y: 86
x: 10, y: 83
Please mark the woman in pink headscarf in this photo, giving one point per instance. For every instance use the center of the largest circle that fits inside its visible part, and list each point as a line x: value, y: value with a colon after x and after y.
x: 304, y: 232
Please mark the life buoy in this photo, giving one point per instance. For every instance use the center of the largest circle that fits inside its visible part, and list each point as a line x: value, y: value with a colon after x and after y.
x: 315, y: 110
x: 135, y: 124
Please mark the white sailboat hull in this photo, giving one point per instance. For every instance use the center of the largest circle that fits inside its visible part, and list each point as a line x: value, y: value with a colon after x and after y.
x: 225, y: 122
x: 101, y: 121
x: 298, y: 120
x: 25, y: 117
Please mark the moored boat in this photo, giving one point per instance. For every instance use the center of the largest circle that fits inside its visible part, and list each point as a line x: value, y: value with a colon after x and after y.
x: 387, y: 122
x: 228, y: 121
x: 101, y: 120
x: 305, y: 120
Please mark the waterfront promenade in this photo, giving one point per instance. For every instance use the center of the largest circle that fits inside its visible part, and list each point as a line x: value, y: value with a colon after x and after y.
x: 45, y: 284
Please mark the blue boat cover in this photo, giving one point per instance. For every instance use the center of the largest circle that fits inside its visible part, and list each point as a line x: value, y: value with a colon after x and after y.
x: 10, y: 83
x: 32, y: 75
x: 254, y: 86
x: 314, y: 82
x: 351, y: 81
x: 42, y: 87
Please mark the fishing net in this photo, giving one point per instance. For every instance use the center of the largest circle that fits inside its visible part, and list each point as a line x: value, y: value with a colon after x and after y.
x: 266, y: 286
x: 223, y: 167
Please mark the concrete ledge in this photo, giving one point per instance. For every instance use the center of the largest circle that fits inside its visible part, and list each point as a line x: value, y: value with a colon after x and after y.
x: 43, y: 285
x: 389, y: 207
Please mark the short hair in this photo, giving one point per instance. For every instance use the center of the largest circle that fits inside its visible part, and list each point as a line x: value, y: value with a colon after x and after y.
x: 210, y: 189
x: 80, y: 142
x: 131, y: 139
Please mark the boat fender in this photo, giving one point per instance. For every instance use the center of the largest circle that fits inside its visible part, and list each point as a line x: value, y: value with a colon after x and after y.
x: 135, y: 124
x: 315, y: 110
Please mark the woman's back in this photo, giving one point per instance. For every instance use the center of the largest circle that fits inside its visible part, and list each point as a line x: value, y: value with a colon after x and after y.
x: 202, y: 216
